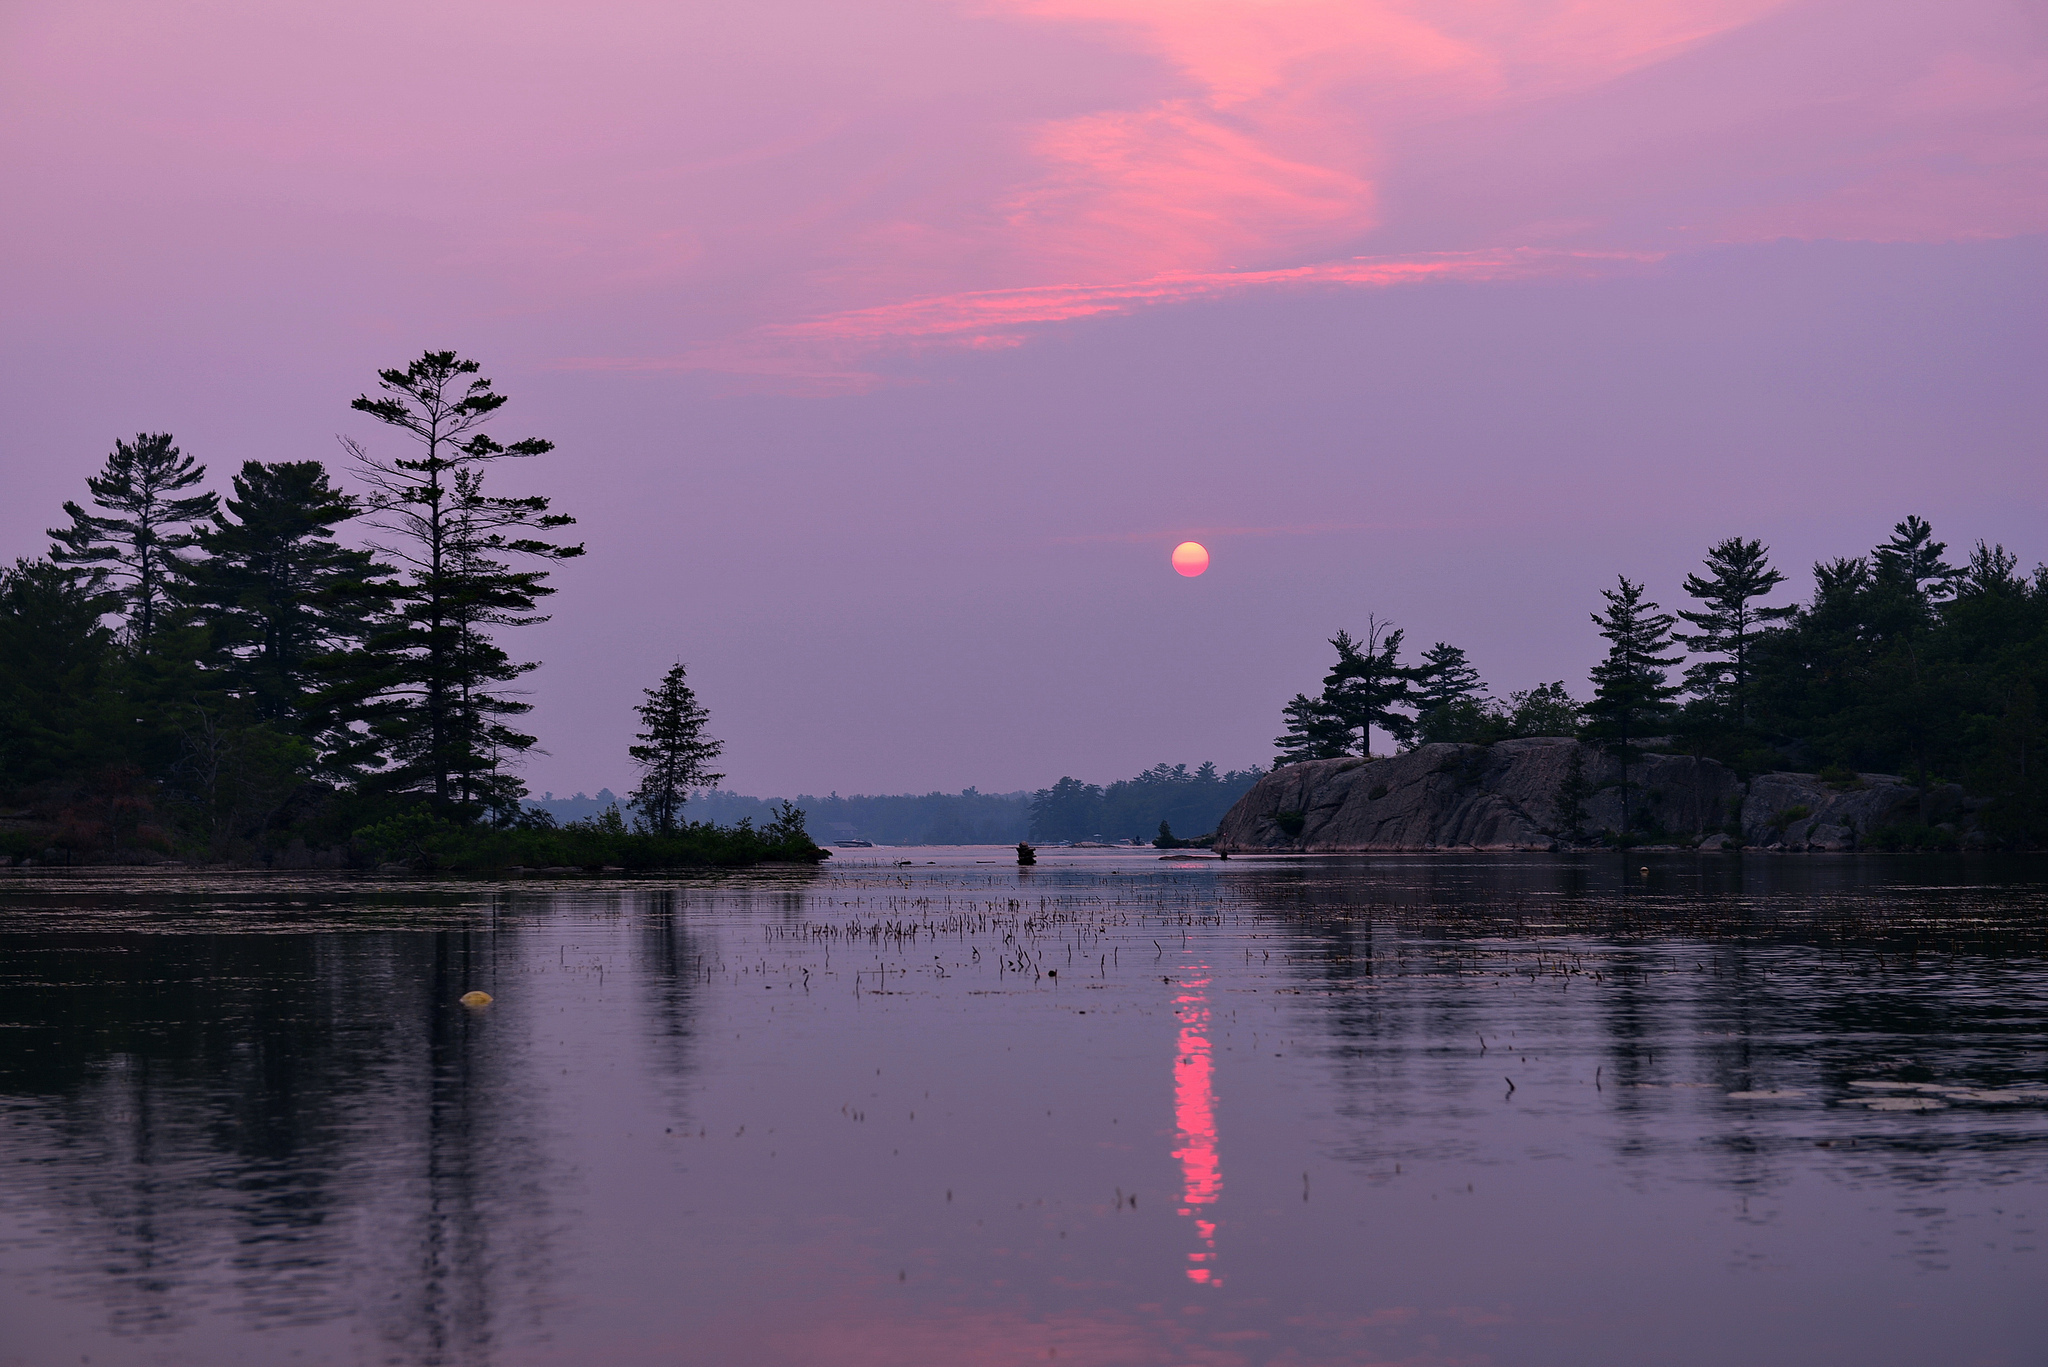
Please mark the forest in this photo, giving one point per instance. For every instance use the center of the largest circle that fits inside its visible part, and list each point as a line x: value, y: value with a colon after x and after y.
x: 1900, y: 662
x: 293, y: 674
x: 1189, y: 801
x: 227, y: 679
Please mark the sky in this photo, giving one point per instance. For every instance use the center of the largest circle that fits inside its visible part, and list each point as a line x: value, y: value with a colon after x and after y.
x: 890, y: 347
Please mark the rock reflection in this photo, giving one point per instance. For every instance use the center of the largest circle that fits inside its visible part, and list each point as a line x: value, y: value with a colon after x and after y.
x: 1194, y: 1109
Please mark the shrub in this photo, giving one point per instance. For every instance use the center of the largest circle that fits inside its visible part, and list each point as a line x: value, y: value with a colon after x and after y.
x: 1292, y: 822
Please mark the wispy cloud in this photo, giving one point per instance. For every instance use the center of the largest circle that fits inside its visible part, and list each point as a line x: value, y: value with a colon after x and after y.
x: 828, y: 349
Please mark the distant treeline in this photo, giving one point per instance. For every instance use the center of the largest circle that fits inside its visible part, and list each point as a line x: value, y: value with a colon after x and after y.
x: 1135, y: 808
x: 224, y: 678
x: 1191, y: 801
x: 1900, y: 663
x: 963, y: 818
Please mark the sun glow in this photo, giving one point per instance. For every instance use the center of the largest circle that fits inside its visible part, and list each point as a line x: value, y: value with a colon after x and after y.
x: 1191, y: 558
x: 1194, y: 1113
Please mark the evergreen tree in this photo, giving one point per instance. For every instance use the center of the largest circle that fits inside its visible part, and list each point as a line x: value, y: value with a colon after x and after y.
x: 1629, y: 688
x: 60, y: 712
x: 1449, y: 705
x: 1367, y: 685
x: 1444, y: 677
x: 1069, y: 810
x: 135, y: 547
x: 444, y: 711
x: 1912, y: 560
x: 1729, y: 621
x: 288, y: 607
x: 1313, y: 732
x: 674, y: 754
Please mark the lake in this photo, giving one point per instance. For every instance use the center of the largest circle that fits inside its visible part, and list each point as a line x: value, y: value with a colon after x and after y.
x: 1116, y: 1109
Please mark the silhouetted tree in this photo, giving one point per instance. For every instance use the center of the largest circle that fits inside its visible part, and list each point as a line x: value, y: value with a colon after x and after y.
x: 1545, y: 710
x: 674, y: 754
x: 1314, y: 731
x: 1629, y: 688
x: 135, y: 548
x: 1739, y: 573
x: 1445, y: 676
x: 58, y: 713
x: 1368, y: 686
x: 1450, y: 702
x: 288, y: 608
x: 443, y: 712
x: 1912, y: 559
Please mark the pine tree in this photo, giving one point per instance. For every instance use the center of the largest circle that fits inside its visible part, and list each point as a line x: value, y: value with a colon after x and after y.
x: 288, y: 607
x: 1729, y: 623
x: 1629, y: 688
x: 444, y: 710
x: 1449, y: 703
x: 136, y: 548
x: 1313, y: 732
x: 1912, y: 560
x: 1445, y: 677
x: 58, y: 714
x: 674, y: 754
x: 1367, y: 685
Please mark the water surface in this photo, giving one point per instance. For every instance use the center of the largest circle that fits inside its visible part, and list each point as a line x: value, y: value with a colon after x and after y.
x: 1113, y: 1110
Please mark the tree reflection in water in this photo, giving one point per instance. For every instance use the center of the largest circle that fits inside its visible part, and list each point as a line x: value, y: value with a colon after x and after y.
x: 288, y: 1128
x: 681, y: 1133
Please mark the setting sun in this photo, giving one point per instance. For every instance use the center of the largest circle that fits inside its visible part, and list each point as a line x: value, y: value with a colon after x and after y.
x: 1191, y: 558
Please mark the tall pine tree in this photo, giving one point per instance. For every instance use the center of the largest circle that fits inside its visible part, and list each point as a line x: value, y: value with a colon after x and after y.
x: 288, y: 608
x: 1739, y: 573
x: 1368, y: 686
x: 1630, y: 694
x: 445, y: 709
x: 148, y: 520
x: 1912, y: 560
x: 1313, y: 732
x: 1449, y: 702
x: 674, y: 754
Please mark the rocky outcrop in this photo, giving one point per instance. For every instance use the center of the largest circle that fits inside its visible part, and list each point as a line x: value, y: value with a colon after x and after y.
x: 1515, y: 795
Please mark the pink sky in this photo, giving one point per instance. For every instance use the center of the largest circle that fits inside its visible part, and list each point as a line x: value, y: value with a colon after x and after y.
x: 889, y: 347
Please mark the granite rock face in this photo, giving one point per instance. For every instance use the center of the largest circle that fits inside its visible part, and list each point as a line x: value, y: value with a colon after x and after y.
x: 1510, y: 796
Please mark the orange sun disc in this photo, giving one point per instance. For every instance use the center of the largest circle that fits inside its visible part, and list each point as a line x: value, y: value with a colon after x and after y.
x: 1191, y: 558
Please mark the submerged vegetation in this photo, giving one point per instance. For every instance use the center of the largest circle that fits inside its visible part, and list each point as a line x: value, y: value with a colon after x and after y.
x: 225, y: 680
x: 1900, y: 663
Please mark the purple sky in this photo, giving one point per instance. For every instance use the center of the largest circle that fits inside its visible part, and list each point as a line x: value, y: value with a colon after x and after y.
x: 890, y: 347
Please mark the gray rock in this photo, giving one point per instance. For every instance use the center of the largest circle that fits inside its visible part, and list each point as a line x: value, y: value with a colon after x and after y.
x: 1797, y: 808
x: 1507, y: 797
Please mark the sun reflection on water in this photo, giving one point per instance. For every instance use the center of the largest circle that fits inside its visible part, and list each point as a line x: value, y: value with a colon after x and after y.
x: 1194, y: 1109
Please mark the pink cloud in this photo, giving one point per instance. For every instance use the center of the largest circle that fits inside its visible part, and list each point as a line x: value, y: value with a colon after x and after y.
x: 826, y: 350
x: 777, y: 188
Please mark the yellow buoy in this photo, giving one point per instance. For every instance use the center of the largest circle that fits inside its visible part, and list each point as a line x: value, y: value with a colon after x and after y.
x: 475, y: 999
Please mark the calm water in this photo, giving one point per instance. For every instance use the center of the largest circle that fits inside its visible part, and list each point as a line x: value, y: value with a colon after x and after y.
x: 1114, y: 1110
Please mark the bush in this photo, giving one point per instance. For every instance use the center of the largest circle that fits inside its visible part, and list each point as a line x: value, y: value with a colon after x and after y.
x: 425, y: 841
x: 1911, y: 837
x: 1292, y: 822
